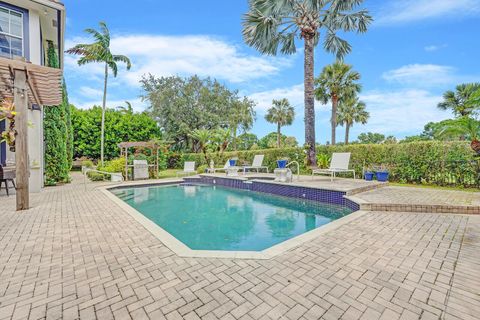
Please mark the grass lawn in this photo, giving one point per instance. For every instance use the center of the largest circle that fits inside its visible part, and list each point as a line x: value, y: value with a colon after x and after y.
x: 169, y: 173
x: 430, y: 186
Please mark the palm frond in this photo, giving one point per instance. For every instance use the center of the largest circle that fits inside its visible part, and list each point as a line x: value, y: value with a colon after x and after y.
x: 122, y: 58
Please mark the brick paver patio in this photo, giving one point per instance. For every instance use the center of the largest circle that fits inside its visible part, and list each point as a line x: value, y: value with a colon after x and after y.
x: 77, y: 255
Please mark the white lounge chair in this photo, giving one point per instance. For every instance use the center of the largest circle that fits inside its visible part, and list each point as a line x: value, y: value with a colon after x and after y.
x: 257, y: 164
x: 338, y: 164
x: 226, y: 166
x: 188, y: 168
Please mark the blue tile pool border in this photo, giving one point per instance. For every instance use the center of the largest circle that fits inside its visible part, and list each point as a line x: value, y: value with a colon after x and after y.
x: 298, y: 192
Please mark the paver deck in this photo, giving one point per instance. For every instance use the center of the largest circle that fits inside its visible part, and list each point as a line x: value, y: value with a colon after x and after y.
x: 76, y: 254
x: 418, y: 199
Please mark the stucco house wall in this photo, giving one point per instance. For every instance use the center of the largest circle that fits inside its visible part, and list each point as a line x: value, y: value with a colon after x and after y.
x: 43, y: 20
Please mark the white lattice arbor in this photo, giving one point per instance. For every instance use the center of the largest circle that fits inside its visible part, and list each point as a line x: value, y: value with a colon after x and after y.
x: 25, y: 82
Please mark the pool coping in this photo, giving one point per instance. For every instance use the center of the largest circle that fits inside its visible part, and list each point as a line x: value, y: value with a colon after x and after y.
x: 183, y: 250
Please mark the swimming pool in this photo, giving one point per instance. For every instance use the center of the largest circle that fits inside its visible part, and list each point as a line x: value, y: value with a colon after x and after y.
x: 218, y: 218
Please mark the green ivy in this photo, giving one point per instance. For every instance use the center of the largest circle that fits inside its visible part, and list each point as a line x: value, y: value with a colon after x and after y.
x: 56, y: 132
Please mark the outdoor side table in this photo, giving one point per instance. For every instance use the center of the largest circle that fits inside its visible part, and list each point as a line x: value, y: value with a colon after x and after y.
x: 232, y: 171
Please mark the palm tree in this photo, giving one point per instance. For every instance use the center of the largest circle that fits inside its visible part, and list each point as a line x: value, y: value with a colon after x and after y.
x: 336, y: 81
x: 466, y: 127
x: 99, y: 52
x: 457, y: 100
x: 241, y: 116
x: 271, y: 25
x: 281, y: 113
x: 128, y: 110
x: 203, y: 137
x: 350, y: 111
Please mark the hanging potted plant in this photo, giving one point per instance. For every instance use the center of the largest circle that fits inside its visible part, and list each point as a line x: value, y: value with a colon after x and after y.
x: 7, y: 111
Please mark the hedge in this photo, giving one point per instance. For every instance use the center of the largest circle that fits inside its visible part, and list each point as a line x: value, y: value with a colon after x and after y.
x: 427, y: 162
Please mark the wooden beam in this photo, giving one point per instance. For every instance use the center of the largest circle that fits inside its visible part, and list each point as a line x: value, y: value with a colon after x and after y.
x: 22, y: 164
x: 33, y: 90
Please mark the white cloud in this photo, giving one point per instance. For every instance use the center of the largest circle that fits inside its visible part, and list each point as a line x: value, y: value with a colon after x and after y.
x: 398, y: 11
x: 421, y: 75
x: 401, y: 112
x: 90, y: 93
x: 294, y: 94
x: 432, y: 48
x: 183, y: 55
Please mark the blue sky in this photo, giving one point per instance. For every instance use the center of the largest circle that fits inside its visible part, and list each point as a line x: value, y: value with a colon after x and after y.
x: 414, y: 51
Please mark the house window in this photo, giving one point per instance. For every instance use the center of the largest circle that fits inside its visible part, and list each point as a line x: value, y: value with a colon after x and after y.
x: 11, y: 33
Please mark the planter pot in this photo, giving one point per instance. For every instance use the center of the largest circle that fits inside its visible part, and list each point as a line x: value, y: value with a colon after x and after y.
x: 232, y: 162
x: 281, y: 164
x: 382, y: 176
x: 369, y: 176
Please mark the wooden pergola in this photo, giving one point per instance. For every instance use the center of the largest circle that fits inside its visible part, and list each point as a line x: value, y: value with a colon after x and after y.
x: 27, y: 83
x: 152, y: 145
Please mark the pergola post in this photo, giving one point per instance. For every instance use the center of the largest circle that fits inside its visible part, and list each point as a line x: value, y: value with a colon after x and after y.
x: 20, y: 99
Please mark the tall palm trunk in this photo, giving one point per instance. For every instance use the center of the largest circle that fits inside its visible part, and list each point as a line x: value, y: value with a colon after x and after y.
x: 309, y: 100
x: 235, y: 138
x: 333, y: 121
x: 347, y: 132
x: 278, y: 135
x: 102, y: 129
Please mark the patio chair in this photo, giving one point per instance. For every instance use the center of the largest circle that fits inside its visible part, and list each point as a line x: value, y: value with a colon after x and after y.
x: 338, y: 164
x: 5, y: 177
x: 257, y: 164
x: 226, y: 166
x: 188, y: 168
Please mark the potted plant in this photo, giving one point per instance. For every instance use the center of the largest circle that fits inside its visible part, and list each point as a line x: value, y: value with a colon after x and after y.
x: 382, y: 174
x: 368, y: 174
x: 282, y: 163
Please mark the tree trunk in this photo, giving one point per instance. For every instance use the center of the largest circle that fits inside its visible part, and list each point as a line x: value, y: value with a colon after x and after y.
x: 309, y: 99
x: 102, y: 130
x: 235, y: 138
x: 333, y: 121
x: 279, y: 139
x: 347, y: 132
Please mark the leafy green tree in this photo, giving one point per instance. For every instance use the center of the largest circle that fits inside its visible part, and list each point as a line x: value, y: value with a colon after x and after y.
x: 99, y: 52
x: 351, y: 111
x: 270, y: 141
x: 282, y: 114
x: 270, y: 25
x: 458, y: 101
x: 241, y: 116
x: 371, y: 138
x: 336, y: 81
x: 181, y: 105
x: 56, y: 132
x: 247, y: 140
x: 119, y: 127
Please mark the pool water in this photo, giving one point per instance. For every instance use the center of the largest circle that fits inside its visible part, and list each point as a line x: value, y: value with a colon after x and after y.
x: 217, y: 218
